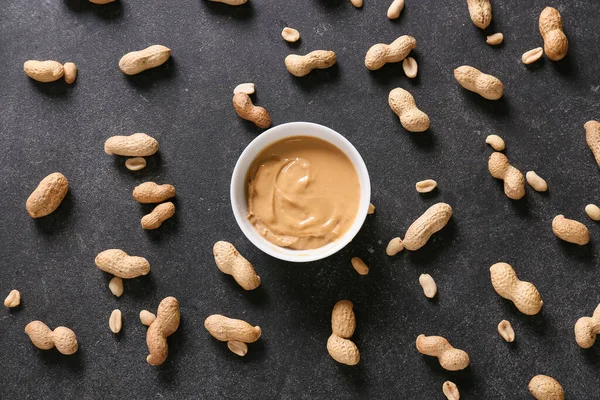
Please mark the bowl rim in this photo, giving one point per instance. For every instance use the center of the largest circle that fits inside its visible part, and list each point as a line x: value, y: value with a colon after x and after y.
x: 278, y: 133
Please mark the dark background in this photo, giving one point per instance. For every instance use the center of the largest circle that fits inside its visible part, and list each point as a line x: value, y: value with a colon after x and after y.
x: 186, y: 105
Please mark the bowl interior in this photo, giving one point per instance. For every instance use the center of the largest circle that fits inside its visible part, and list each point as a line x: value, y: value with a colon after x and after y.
x: 238, y: 186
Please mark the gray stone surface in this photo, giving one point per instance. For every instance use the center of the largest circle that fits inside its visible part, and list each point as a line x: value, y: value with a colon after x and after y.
x: 186, y: 105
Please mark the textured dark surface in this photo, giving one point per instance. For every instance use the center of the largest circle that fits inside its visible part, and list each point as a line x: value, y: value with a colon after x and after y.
x: 186, y: 105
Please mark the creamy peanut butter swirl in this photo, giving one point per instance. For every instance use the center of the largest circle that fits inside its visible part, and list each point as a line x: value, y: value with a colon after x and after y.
x: 302, y: 193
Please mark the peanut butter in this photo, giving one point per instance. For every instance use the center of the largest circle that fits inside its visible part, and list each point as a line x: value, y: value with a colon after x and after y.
x: 302, y: 193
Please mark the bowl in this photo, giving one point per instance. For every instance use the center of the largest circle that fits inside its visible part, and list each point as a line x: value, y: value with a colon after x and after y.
x: 238, y: 189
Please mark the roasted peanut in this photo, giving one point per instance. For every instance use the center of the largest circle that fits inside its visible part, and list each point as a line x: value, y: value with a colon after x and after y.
x: 570, y: 230
x: 495, y: 142
x: 244, y: 107
x: 135, y: 163
x: 137, y: 61
x: 359, y: 266
x: 228, y: 329
x: 524, y: 295
x: 450, y: 358
x: 290, y: 35
x: 247, y: 88
x: 47, y: 196
x: 395, y: 9
x: 116, y: 286
x: 303, y: 65
x: 394, y: 247
x: 343, y: 320
x: 432, y: 220
x: 371, y: 209
x: 514, y: 182
x: 150, y: 192
x: 343, y: 350
x: 481, y: 12
x: 495, y: 39
x: 136, y: 145
x: 403, y: 105
x: 593, y: 211
x: 586, y: 329
x: 231, y: 2
x: 13, y: 299
x: 506, y: 330
x: 43, y: 338
x: 357, y: 3
x: 450, y: 391
x: 428, y: 285
x: 43, y: 71
x: 410, y: 67
x: 146, y: 317
x: 237, y: 347
x: 70, y: 70
x: 118, y: 263
x: 230, y: 262
x: 556, y: 44
x: 487, y: 86
x: 531, y: 56
x: 381, y: 53
x: 425, y: 186
x: 160, y: 214
x: 592, y: 137
x: 115, y: 322
x: 543, y: 387
x: 165, y: 324
x: 536, y: 181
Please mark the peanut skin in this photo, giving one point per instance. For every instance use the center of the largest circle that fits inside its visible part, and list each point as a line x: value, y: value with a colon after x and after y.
x: 487, y: 86
x: 544, y: 387
x: 136, y: 145
x: 524, y: 295
x: 166, y: 323
x: 404, y: 106
x: 43, y: 338
x: 570, y: 230
x: 228, y: 329
x: 592, y: 137
x: 343, y: 321
x: 244, y: 107
x: 230, y: 262
x: 43, y: 71
x: 433, y: 220
x: 47, y: 196
x: 556, y: 44
x: 481, y: 12
x: 151, y: 192
x: 450, y: 358
x: 343, y: 350
x: 119, y: 263
x: 302, y: 65
x: 514, y: 181
x: 586, y: 329
x: 137, y: 61
x: 160, y: 214
x: 380, y: 54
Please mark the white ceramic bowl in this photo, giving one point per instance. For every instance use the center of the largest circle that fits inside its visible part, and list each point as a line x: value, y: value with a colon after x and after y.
x: 238, y: 189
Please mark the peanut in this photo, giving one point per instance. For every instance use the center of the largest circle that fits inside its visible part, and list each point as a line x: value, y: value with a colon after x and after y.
x: 410, y: 67
x: 536, y: 182
x: 432, y: 220
x: 450, y: 391
x: 43, y: 71
x: 231, y: 2
x: 118, y: 263
x: 115, y: 322
x: 343, y: 320
x: 302, y: 65
x: 135, y: 163
x: 570, y: 230
x: 481, y: 12
x: 495, y: 142
x: 359, y: 266
x: 450, y: 359
x: 151, y: 192
x: 230, y: 262
x: 487, y: 86
x: 593, y: 211
x: 524, y: 295
x: 394, y: 247
x: 357, y: 3
x: 237, y: 347
x: 137, y: 61
x: 556, y: 44
x: 47, y: 196
x: 425, y: 186
x: 514, y: 182
x: 506, y: 330
x: 43, y: 338
x: 136, y: 145
x: 116, y: 286
x: 146, y: 317
x: 160, y: 214
x: 227, y: 329
x: 165, y: 324
x: 403, y: 105
x: 70, y: 70
x: 343, y: 350
x: 247, y: 110
x: 247, y: 88
x: 371, y: 209
x: 381, y: 53
x: 495, y: 39
x: 543, y: 387
x: 395, y: 9
x: 531, y: 56
x: 428, y: 285
x: 586, y: 329
x: 592, y: 137
x: 13, y: 299
x: 290, y: 35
